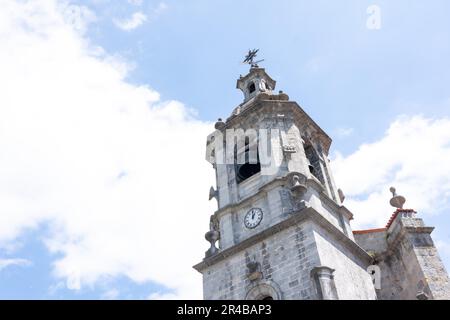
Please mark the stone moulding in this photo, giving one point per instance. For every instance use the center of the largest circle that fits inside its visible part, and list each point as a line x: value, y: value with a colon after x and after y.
x: 300, y: 116
x: 283, y: 181
x: 296, y: 217
x: 263, y: 289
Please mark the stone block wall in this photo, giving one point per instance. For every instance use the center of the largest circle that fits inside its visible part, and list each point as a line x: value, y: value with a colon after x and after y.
x: 285, y: 261
x: 409, y: 263
x: 352, y: 280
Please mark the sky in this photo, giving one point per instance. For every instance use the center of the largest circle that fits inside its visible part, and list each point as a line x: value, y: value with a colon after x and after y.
x: 105, y: 107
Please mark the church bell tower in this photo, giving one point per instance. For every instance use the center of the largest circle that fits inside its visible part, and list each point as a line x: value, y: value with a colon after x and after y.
x: 280, y: 230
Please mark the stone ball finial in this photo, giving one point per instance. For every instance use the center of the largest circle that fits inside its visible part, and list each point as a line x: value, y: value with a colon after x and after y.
x: 396, y: 200
x: 219, y: 124
x: 212, y: 236
x: 392, y: 190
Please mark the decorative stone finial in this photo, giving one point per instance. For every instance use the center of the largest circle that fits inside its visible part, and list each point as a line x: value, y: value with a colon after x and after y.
x: 341, y: 195
x: 212, y: 236
x: 396, y: 200
x: 393, y: 191
x: 219, y: 124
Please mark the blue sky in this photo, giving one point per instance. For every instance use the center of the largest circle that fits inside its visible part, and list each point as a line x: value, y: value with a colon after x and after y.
x: 362, y: 86
x: 320, y: 53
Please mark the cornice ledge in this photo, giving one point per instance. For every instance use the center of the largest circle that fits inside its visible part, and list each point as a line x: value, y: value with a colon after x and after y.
x: 301, y: 215
x: 248, y: 107
x: 397, y: 236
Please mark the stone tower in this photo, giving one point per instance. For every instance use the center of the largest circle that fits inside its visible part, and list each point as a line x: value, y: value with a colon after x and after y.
x: 280, y: 231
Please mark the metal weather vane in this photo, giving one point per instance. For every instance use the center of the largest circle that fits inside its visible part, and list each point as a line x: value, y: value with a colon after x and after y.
x: 251, y: 55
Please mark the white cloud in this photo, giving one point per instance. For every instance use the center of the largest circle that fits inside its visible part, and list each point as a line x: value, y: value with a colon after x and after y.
x: 344, y: 132
x: 413, y: 156
x: 136, y: 19
x: 118, y: 175
x: 4, y: 263
x: 77, y: 16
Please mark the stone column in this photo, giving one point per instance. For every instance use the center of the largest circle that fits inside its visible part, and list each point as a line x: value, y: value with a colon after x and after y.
x: 324, y: 279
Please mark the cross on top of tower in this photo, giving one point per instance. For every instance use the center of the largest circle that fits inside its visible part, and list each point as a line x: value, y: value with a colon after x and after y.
x: 249, y: 58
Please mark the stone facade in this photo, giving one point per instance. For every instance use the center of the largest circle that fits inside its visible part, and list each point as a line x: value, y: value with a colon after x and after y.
x: 280, y: 264
x: 300, y: 245
x: 410, y: 267
x: 284, y: 258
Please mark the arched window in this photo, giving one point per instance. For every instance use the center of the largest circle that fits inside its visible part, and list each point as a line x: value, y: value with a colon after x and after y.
x: 314, y: 163
x: 251, y: 87
x: 249, y: 168
x: 266, y: 290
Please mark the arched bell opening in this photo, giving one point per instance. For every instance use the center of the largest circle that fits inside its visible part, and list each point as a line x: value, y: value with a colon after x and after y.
x: 250, y: 167
x: 314, y: 163
x: 247, y: 170
x: 251, y: 88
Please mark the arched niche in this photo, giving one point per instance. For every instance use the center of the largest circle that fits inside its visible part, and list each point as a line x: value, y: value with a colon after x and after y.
x: 267, y: 290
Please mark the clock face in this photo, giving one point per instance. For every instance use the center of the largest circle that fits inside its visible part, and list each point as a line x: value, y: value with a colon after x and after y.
x: 253, y: 218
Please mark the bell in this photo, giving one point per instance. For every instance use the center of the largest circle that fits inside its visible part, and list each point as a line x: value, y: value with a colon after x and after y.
x: 246, y: 170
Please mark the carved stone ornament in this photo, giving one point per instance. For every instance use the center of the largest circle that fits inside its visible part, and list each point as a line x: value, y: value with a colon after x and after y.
x: 289, y: 149
x: 254, y: 271
x: 396, y: 200
x: 212, y: 236
x: 290, y: 201
x: 219, y: 124
x: 298, y: 183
